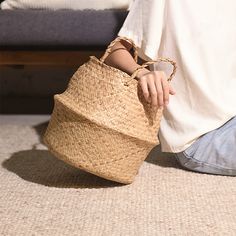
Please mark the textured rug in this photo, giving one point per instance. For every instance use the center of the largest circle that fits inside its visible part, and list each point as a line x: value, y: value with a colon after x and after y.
x: 41, y: 195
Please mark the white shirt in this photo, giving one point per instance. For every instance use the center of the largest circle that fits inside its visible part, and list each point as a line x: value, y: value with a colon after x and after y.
x: 201, y: 37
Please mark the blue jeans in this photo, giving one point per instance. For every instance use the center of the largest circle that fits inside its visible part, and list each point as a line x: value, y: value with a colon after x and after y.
x: 213, y: 152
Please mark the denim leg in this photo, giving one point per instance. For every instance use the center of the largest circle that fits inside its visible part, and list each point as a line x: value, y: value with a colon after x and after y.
x: 213, y: 153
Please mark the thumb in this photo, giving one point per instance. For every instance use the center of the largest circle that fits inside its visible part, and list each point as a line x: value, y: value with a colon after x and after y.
x: 171, y: 91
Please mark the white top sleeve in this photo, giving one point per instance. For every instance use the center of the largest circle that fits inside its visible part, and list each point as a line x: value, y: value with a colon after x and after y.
x: 202, y: 42
x: 144, y: 25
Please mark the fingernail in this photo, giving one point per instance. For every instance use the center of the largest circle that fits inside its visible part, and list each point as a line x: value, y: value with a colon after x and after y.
x: 166, y: 103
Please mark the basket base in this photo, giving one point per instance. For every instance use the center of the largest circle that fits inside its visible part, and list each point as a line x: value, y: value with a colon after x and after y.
x: 98, y: 150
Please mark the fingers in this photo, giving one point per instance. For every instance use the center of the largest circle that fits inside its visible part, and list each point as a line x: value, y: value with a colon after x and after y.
x: 152, y: 90
x: 165, y: 89
x: 156, y: 88
x: 144, y: 87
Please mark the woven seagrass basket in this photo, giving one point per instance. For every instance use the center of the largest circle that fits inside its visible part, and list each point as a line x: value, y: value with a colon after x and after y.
x: 102, y: 123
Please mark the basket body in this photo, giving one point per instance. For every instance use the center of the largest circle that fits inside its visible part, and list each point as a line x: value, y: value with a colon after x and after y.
x: 102, y: 126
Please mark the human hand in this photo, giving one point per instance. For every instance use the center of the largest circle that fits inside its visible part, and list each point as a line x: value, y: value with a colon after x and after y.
x: 155, y: 87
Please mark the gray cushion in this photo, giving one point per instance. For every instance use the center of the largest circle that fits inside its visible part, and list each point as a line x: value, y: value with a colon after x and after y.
x: 63, y: 29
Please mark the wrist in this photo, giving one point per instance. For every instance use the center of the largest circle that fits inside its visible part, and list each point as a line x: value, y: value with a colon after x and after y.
x: 142, y: 72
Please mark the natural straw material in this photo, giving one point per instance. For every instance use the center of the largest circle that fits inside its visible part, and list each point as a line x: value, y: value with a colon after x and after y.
x: 102, y: 123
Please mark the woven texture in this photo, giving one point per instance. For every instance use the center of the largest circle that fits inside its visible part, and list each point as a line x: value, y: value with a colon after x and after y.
x: 103, y: 110
x: 109, y: 121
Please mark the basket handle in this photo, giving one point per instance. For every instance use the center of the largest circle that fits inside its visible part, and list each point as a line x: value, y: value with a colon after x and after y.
x: 119, y: 38
x: 145, y: 64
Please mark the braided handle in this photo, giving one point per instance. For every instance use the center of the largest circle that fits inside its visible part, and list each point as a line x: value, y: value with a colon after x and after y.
x: 119, y: 38
x: 145, y: 64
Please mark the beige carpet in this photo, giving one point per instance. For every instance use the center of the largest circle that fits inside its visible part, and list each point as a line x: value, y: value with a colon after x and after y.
x: 40, y: 195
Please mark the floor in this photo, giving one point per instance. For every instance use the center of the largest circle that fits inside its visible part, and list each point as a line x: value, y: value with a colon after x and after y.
x: 41, y: 195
